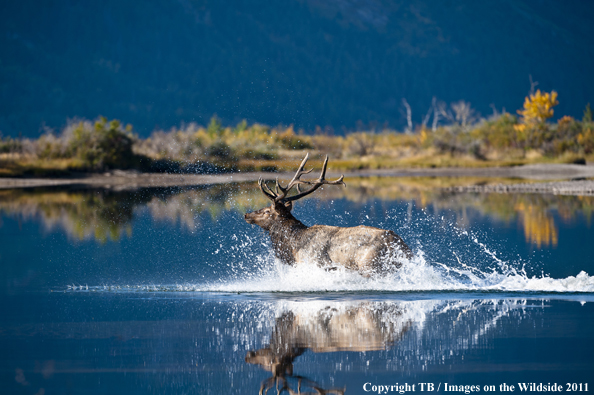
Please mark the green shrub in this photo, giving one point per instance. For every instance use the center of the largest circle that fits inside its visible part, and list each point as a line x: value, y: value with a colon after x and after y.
x: 221, y: 151
x: 587, y: 114
x: 9, y: 145
x: 215, y: 127
x: 453, y: 140
x: 50, y: 146
x: 262, y: 155
x: 289, y: 140
x: 359, y: 144
x: 241, y: 127
x: 498, y: 132
x: 104, y: 145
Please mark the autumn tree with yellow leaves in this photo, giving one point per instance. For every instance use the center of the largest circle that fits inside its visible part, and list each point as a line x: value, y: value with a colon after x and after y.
x: 538, y: 107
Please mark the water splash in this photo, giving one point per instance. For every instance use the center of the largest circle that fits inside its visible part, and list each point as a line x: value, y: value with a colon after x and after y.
x: 416, y: 275
x: 466, y: 263
x: 447, y: 259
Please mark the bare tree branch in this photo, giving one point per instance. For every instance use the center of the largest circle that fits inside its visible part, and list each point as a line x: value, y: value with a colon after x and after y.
x: 533, y: 84
x: 427, y: 116
x: 443, y: 110
x: 435, y: 113
x: 495, y: 112
x: 464, y: 114
x: 409, y: 128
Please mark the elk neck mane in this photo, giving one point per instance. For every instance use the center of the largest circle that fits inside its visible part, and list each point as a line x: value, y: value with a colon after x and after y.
x: 286, y: 234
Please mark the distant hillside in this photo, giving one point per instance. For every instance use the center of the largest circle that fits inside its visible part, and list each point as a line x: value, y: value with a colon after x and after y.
x: 338, y: 63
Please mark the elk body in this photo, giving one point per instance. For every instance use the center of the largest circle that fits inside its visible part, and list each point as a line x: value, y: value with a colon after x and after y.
x: 363, y: 248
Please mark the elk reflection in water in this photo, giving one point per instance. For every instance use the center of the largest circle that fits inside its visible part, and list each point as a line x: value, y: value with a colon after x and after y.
x: 401, y: 331
x: 360, y: 328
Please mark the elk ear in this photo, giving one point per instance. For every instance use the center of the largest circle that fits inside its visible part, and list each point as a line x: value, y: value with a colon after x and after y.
x: 289, y: 205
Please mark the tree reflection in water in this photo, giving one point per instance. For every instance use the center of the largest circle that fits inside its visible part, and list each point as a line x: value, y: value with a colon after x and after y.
x: 83, y: 214
x: 104, y: 215
x: 534, y: 212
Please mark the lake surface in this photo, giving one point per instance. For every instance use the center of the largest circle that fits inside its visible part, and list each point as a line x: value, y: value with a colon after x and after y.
x: 170, y: 291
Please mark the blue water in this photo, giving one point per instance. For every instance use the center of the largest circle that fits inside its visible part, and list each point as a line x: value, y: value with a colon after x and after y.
x: 196, y: 303
x: 197, y: 343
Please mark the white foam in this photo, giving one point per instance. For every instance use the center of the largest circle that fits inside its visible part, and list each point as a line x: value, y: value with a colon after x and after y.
x: 415, y: 275
x: 412, y: 276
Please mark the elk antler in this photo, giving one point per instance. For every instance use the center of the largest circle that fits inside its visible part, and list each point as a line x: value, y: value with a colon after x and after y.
x: 280, y: 193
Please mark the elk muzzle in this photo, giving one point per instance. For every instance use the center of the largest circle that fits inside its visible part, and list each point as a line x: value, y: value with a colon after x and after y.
x: 250, y: 218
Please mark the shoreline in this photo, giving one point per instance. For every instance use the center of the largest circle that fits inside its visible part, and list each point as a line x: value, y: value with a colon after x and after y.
x: 568, y: 188
x: 125, y: 180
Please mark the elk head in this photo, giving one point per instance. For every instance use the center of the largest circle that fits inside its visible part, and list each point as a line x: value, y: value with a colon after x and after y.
x: 282, y: 204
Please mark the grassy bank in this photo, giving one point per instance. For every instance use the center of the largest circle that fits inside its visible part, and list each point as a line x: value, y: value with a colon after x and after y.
x: 457, y: 138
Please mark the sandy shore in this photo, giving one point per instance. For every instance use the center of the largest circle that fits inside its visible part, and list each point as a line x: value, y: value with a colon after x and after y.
x: 576, y: 188
x: 121, y: 180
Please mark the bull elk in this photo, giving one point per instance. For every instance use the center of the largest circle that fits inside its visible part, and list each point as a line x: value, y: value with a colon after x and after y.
x: 365, y: 249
